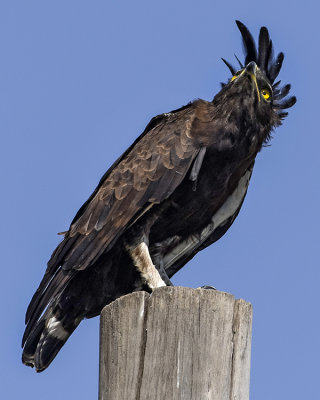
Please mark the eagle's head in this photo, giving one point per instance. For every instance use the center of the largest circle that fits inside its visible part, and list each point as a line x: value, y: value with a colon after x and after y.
x: 252, y: 97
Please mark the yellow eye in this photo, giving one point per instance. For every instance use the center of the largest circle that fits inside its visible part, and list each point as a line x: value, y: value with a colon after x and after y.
x: 266, y: 94
x: 233, y: 78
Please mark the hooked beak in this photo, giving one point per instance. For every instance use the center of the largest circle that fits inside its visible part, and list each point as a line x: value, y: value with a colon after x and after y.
x: 251, y: 70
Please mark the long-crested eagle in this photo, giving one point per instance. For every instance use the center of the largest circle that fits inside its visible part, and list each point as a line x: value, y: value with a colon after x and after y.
x: 176, y: 190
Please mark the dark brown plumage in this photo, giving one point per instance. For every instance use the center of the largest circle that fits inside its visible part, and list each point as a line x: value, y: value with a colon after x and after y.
x: 175, y: 191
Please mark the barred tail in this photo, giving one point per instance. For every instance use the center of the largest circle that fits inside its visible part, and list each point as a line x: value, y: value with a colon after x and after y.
x: 46, y: 339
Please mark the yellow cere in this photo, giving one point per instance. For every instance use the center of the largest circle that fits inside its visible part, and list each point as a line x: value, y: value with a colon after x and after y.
x: 237, y: 74
x: 265, y: 93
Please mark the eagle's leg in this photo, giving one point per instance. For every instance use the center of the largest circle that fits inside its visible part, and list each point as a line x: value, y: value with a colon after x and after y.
x: 137, y: 244
x: 141, y: 259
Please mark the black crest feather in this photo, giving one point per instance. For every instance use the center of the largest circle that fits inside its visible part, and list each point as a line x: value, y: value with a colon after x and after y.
x: 248, y: 43
x: 265, y: 46
x: 240, y: 63
x: 275, y: 67
x: 231, y: 68
x: 264, y: 58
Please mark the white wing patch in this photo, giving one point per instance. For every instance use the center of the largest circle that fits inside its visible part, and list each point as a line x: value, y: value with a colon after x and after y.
x: 229, y: 208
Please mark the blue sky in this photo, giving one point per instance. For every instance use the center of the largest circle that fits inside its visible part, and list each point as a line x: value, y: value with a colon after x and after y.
x: 79, y: 81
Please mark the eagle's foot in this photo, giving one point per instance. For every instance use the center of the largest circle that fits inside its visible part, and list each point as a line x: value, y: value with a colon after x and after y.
x: 207, y: 287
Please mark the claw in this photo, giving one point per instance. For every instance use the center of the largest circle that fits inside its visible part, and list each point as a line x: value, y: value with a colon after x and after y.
x: 207, y: 287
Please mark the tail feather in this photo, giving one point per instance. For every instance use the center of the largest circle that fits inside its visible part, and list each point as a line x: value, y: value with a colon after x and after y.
x: 46, y: 339
x: 40, y: 300
x: 30, y: 345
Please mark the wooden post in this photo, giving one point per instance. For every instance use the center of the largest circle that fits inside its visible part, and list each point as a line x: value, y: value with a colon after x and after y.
x: 176, y: 344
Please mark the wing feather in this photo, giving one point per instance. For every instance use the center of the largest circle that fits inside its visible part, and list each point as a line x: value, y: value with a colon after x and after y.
x: 148, y: 172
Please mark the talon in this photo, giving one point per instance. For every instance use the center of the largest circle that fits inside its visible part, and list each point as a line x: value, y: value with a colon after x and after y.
x: 207, y: 287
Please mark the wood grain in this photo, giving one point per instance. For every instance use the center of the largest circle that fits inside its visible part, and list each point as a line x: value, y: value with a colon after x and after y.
x: 177, y: 344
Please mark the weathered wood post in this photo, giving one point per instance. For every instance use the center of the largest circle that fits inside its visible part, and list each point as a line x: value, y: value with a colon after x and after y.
x: 177, y: 344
